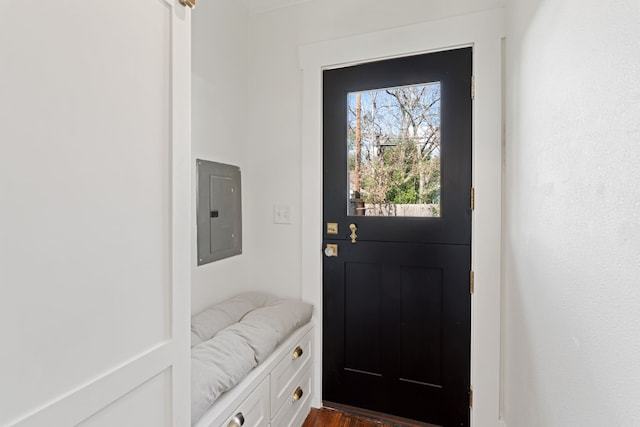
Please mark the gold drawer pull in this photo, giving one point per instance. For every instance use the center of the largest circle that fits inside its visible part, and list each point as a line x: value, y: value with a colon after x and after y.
x: 297, y: 394
x: 297, y: 353
x: 188, y: 3
x: 237, y: 420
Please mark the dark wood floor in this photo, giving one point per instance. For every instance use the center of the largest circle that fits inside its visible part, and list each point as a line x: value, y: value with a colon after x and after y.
x: 329, y: 417
x: 325, y: 417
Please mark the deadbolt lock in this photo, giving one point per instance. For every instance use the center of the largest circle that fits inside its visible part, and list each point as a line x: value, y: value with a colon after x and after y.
x: 332, y: 228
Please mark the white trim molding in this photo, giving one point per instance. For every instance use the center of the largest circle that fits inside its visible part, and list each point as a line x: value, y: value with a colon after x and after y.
x: 483, y: 31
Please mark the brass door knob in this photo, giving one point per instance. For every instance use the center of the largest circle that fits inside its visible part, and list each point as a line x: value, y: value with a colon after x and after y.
x: 331, y: 250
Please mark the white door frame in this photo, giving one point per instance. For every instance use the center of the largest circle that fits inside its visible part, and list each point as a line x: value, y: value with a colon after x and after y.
x: 483, y: 31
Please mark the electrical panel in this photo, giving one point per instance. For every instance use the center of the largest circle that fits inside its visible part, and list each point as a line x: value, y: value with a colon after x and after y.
x: 219, y: 211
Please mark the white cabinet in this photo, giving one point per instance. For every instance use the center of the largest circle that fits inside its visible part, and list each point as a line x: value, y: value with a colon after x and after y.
x: 287, y: 387
x: 296, y: 407
x: 277, y: 393
x: 254, y: 411
x: 286, y: 376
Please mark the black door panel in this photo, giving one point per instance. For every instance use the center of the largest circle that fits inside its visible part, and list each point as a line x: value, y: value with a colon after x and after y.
x: 394, y: 348
x: 396, y: 302
x: 453, y: 70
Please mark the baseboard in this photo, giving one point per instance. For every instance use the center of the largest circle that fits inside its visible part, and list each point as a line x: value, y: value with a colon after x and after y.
x: 376, y: 416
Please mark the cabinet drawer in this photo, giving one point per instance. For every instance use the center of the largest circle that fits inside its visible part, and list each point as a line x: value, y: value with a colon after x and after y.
x: 254, y: 410
x: 294, y: 411
x: 284, y: 374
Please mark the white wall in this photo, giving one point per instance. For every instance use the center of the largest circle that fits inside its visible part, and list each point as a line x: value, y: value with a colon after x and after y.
x: 219, y: 130
x: 572, y: 232
x: 274, y: 156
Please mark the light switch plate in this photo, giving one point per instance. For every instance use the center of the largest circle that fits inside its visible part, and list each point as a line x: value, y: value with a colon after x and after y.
x: 281, y: 214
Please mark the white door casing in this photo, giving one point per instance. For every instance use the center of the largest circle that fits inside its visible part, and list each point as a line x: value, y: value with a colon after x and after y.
x: 484, y: 32
x: 95, y: 213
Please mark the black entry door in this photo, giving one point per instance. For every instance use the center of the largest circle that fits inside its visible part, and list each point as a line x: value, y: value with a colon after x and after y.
x: 397, y: 234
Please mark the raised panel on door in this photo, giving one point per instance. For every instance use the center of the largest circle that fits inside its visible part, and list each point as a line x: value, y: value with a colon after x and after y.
x: 421, y: 293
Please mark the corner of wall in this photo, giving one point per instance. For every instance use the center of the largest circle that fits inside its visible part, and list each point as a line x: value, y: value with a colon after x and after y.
x: 219, y: 104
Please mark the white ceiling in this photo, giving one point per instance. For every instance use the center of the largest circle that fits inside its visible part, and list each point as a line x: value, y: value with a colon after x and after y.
x: 260, y: 6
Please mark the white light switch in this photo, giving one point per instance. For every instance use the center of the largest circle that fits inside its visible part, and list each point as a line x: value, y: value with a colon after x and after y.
x: 281, y: 214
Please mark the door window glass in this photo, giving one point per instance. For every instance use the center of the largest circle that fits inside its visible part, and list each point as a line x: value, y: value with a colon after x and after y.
x: 393, y: 155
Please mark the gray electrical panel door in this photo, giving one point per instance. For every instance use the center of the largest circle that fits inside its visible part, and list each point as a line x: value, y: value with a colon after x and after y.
x: 219, y: 211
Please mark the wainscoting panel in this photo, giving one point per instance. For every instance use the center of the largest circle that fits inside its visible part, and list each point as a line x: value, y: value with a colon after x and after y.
x: 95, y: 184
